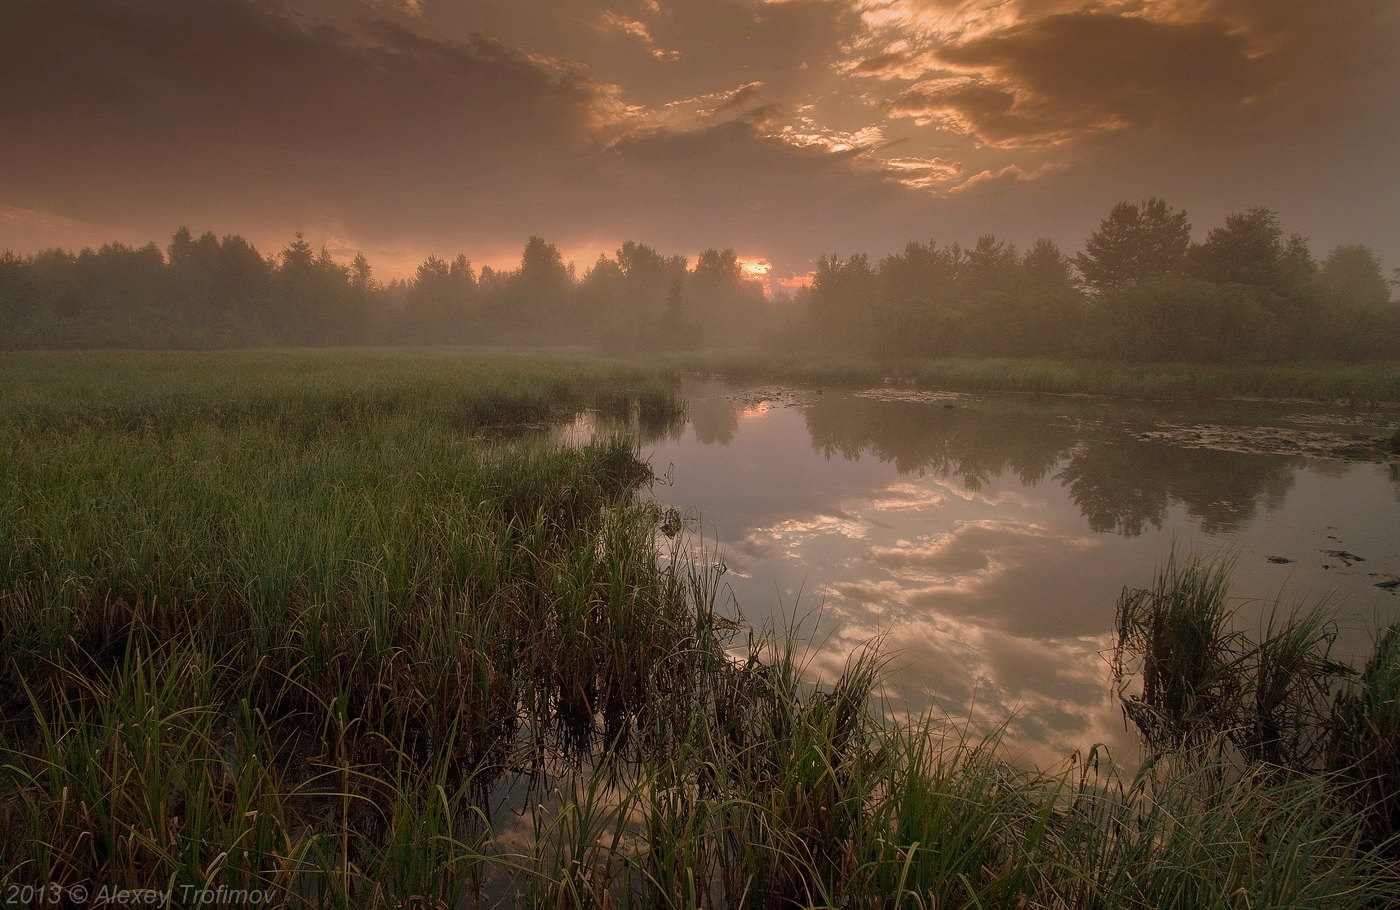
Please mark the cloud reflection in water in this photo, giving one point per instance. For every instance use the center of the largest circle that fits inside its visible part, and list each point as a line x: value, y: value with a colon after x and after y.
x: 983, y: 547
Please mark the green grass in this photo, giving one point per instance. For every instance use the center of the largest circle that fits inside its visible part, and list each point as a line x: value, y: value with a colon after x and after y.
x: 1350, y: 382
x: 350, y: 629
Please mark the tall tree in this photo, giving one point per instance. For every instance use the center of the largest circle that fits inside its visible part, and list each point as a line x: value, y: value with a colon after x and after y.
x: 245, y: 288
x: 540, y: 291
x: 1052, y: 306
x: 1134, y: 243
x: 1247, y: 250
x: 728, y: 304
x: 989, y: 266
x: 1045, y: 270
x: 842, y: 298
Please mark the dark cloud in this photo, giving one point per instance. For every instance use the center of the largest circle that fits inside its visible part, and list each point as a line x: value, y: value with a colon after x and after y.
x: 1057, y: 78
x: 733, y: 180
x: 186, y: 110
x: 883, y: 63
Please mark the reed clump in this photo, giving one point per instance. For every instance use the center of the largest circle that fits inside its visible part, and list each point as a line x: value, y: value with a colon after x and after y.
x: 1280, y: 704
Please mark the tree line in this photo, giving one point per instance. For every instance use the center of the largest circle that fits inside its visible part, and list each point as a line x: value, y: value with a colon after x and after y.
x: 1140, y: 289
x: 209, y: 291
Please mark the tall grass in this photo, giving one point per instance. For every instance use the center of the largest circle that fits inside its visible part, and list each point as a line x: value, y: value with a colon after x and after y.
x: 1175, y: 640
x: 344, y: 632
x: 1278, y: 704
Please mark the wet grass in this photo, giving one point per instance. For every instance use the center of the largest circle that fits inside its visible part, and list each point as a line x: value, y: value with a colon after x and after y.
x: 1277, y: 703
x: 1348, y: 382
x: 349, y: 630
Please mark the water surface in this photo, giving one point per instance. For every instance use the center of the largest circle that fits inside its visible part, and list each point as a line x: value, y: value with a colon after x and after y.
x: 984, y: 539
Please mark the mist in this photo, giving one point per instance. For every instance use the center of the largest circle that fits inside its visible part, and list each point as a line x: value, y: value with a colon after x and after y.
x: 1140, y: 289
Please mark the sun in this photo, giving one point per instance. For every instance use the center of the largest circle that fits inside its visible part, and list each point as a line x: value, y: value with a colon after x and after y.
x: 755, y: 266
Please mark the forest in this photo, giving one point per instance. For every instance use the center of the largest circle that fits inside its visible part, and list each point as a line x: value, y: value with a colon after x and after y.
x: 1140, y: 289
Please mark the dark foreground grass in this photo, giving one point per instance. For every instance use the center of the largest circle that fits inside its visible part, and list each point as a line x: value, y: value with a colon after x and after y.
x: 336, y: 631
x: 1356, y: 383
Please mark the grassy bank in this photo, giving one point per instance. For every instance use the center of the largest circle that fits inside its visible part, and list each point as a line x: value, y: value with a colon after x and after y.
x: 347, y: 630
x: 1349, y: 382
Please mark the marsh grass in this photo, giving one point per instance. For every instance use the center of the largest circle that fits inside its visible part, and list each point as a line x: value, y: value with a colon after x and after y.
x: 1175, y: 640
x: 351, y: 631
x: 1366, y: 746
x: 1355, y: 383
x: 1200, y: 678
x: 1276, y: 704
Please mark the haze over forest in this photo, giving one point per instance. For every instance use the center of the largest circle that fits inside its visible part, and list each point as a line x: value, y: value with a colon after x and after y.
x: 402, y: 129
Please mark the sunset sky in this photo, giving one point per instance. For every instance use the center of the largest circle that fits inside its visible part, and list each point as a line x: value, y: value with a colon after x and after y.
x: 783, y: 129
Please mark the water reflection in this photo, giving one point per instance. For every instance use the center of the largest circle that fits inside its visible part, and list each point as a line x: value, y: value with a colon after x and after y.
x: 983, y: 540
x: 966, y: 441
x: 1121, y: 484
x: 714, y: 419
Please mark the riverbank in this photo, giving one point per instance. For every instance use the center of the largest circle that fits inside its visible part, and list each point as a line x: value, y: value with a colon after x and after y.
x: 348, y: 629
x: 1344, y: 383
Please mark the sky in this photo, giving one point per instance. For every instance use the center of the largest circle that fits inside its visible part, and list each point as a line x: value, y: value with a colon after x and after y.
x: 781, y: 128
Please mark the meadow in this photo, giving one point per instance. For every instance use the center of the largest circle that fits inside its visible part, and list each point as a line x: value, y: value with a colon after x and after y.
x: 348, y: 629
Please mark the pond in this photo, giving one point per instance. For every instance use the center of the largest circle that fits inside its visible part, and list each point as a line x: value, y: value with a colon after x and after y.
x: 983, y: 540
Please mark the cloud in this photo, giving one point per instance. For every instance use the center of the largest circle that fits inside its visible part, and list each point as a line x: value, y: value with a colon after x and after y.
x: 228, y: 108
x: 969, y: 554
x: 235, y: 116
x: 787, y: 129
x: 1068, y: 76
x: 1006, y: 178
x: 638, y: 29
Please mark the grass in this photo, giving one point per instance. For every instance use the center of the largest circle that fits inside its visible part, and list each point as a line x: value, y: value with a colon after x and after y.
x: 350, y: 630
x: 1279, y: 704
x: 1356, y: 383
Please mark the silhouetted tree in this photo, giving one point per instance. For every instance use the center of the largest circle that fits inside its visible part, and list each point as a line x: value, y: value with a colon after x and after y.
x: 438, y: 302
x: 730, y: 306
x: 1247, y: 250
x: 312, y: 298
x: 1358, y: 319
x: 1047, y: 271
x: 17, y: 301
x: 1134, y: 243
x: 244, y: 289
x: 1250, y: 252
x: 842, y: 298
x: 120, y: 291
x: 989, y: 266
x: 601, y: 292
x: 361, y: 274
x: 1053, y: 311
x: 542, y: 287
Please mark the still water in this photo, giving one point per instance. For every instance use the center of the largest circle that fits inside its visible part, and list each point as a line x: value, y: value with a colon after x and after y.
x: 983, y: 540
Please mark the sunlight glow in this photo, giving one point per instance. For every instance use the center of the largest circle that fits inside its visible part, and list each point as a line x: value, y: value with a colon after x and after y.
x: 754, y: 266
